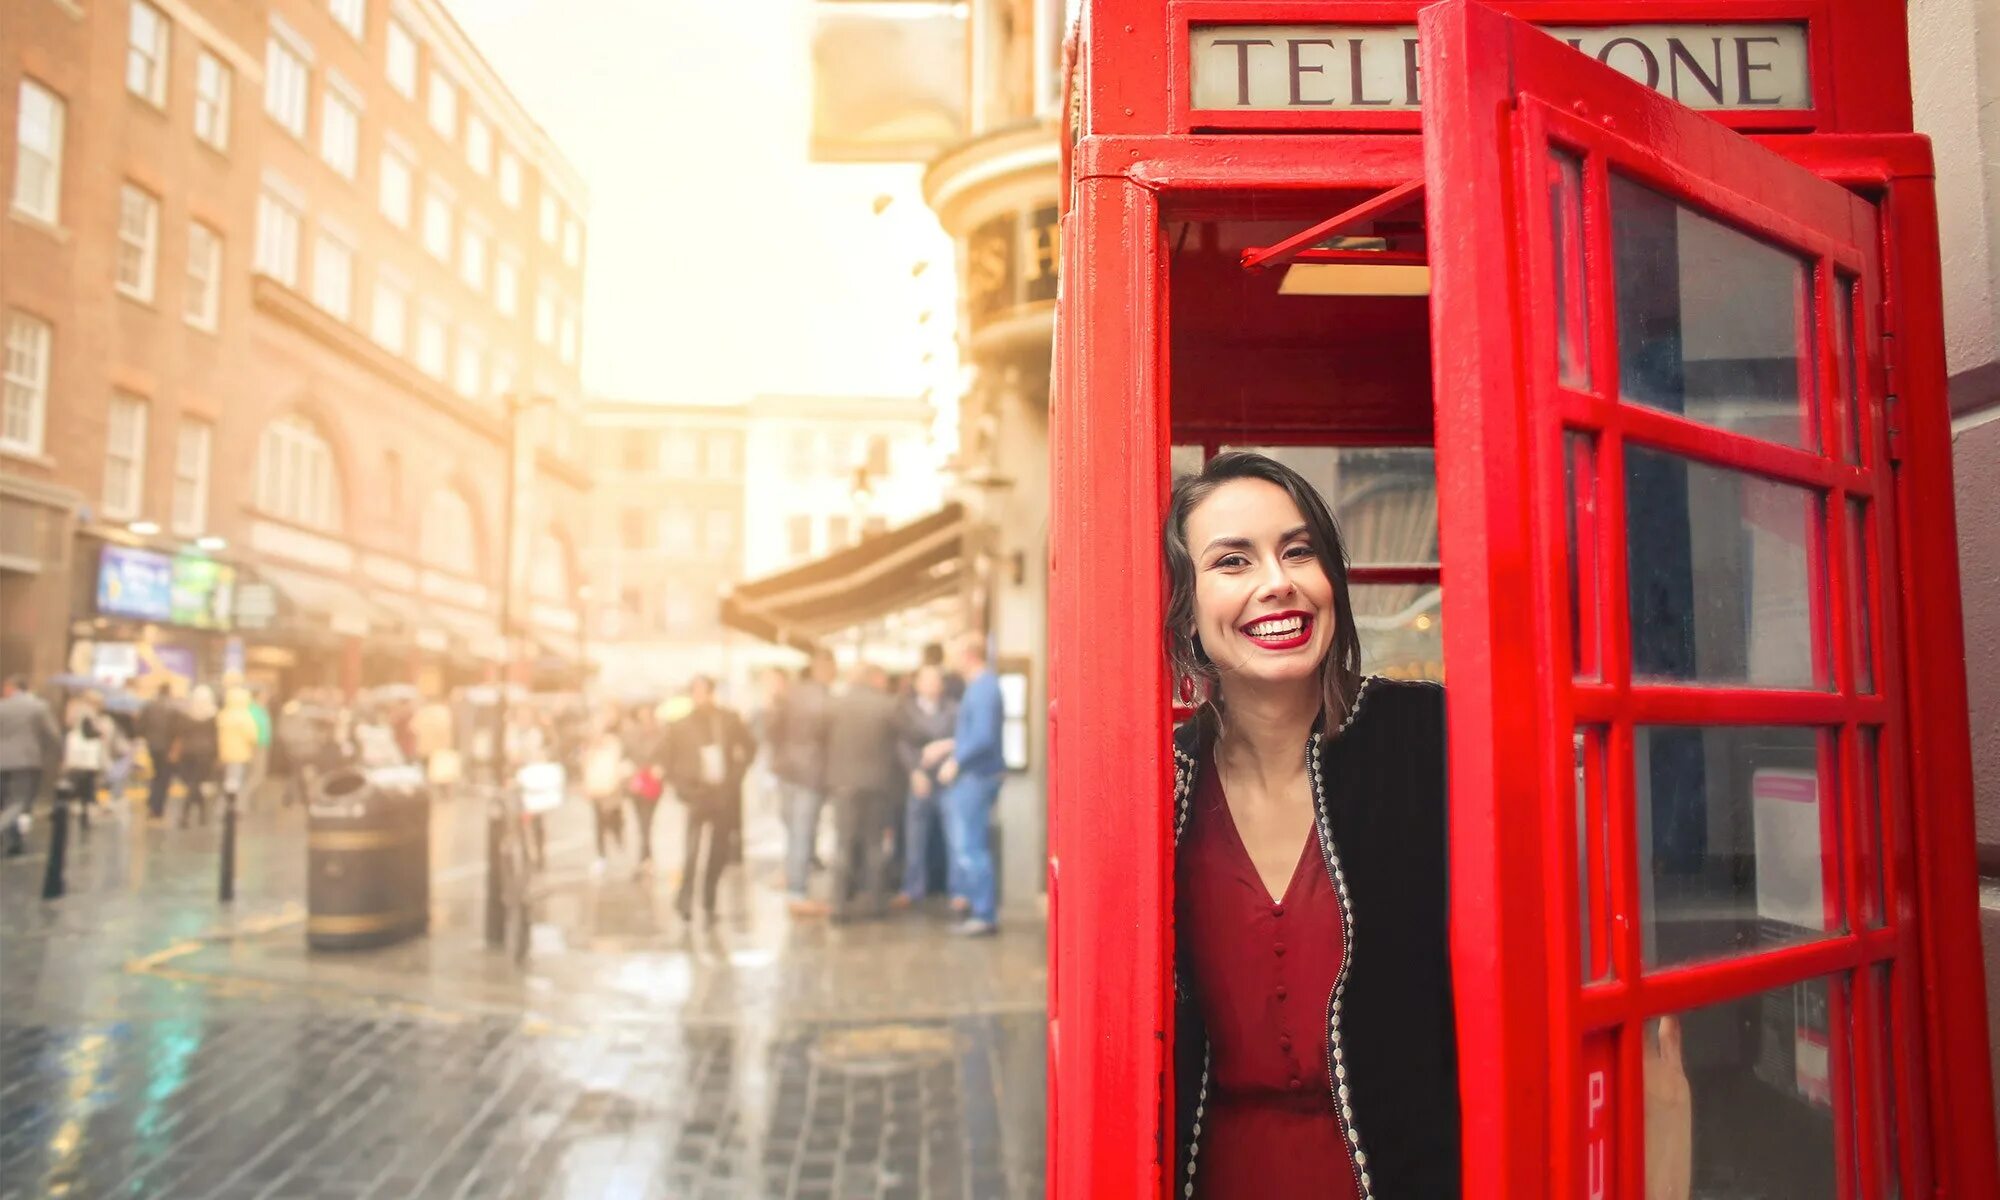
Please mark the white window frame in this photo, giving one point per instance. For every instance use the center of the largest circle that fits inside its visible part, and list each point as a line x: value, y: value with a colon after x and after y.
x: 433, y: 332
x: 478, y: 144
x: 396, y: 187
x: 203, y: 305
x: 24, y: 383
x: 148, y: 53
x: 280, y: 229
x: 138, y: 243
x: 474, y: 246
x: 351, y: 15
x: 468, y: 369
x: 510, y: 178
x: 340, y: 126
x: 550, y: 222
x: 194, y: 448
x: 438, y: 222
x: 298, y: 479
x: 125, y: 466
x: 507, y: 282
x: 572, y: 246
x: 441, y: 105
x: 38, y: 167
x: 401, y: 60
x: 333, y: 275
x: 214, y: 92
x: 287, y: 80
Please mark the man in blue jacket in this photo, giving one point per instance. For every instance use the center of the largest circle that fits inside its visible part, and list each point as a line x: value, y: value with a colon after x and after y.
x: 972, y: 783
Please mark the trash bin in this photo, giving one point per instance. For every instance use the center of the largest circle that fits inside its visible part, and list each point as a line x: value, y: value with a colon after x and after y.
x: 368, y: 881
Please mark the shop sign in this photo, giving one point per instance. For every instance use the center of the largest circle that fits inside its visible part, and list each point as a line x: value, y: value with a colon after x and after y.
x: 1732, y: 66
x: 256, y: 605
x: 1010, y: 262
x: 204, y: 592
x: 135, y: 583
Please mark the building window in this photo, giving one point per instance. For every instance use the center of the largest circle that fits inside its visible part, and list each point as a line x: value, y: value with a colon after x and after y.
x: 146, y: 54
x: 138, y: 241
x: 469, y: 380
x: 351, y: 15
x: 837, y: 529
x: 214, y: 84
x: 680, y: 452
x: 679, y: 611
x: 297, y: 480
x: 799, y: 455
x: 632, y: 525
x: 721, y: 456
x: 400, y: 61
x: 878, y: 455
x: 443, y: 107
x: 572, y: 242
x: 478, y: 144
x: 510, y: 179
x: 333, y: 276
x: 285, y: 85
x: 204, y: 277
x: 395, y: 188
x: 637, y: 455
x: 437, y: 226
x: 125, y: 457
x: 721, y: 532
x: 191, y: 454
x: 431, y: 344
x: 447, y: 536
x: 799, y: 536
x: 24, y: 402
x: 472, y: 258
x: 339, y: 130
x: 566, y: 342
x: 677, y: 532
x: 506, y: 284
x: 551, y: 218
x: 501, y: 379
x: 545, y: 317
x: 38, y: 153
x: 389, y: 316
x: 278, y: 239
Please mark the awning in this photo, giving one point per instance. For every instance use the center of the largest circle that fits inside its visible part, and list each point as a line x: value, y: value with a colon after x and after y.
x: 889, y: 572
x: 340, y: 605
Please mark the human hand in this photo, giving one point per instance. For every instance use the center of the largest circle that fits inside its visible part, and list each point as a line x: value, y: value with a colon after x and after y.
x: 1669, y: 1115
x: 949, y: 771
x: 936, y: 752
x: 920, y: 785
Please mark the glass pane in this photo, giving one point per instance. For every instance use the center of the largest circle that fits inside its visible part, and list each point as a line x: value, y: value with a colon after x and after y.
x: 1709, y: 319
x: 1868, y: 793
x: 1385, y: 498
x: 1592, y: 843
x: 1572, y: 298
x: 1720, y: 574
x: 1185, y: 460
x: 1742, y: 1093
x: 1737, y: 840
x: 1402, y: 634
x: 1860, y: 587
x: 1580, y: 473
x: 1849, y: 367
x: 1889, y: 1144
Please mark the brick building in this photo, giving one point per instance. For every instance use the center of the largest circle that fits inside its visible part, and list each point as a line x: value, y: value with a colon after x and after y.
x: 272, y: 270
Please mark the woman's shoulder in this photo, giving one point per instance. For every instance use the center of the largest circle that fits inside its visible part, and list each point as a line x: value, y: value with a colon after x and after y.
x: 1400, y: 709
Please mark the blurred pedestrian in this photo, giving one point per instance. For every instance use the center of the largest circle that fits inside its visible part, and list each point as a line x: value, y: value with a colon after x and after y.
x: 924, y: 729
x: 260, y: 761
x: 194, y: 752
x: 159, y: 727
x: 645, y: 746
x: 432, y: 727
x: 708, y: 751
x: 235, y: 743
x: 304, y: 735
x: 798, y: 758
x: 604, y: 771
x: 86, y: 752
x: 862, y: 773
x: 972, y: 783
x: 29, y: 741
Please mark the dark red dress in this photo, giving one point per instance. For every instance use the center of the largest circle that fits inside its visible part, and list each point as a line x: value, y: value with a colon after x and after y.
x: 1262, y: 974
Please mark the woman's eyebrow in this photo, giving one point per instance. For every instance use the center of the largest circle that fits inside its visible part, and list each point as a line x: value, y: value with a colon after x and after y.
x: 1228, y: 542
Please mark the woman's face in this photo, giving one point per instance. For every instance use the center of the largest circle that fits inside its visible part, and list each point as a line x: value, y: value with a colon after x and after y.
x: 1263, y: 605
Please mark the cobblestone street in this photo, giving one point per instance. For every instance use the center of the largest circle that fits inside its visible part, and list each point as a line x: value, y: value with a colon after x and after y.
x: 154, y: 1043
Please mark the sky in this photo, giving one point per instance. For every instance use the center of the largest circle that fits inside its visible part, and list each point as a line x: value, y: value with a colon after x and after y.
x: 722, y: 264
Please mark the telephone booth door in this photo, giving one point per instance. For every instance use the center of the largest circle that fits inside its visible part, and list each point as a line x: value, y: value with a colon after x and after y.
x: 1682, y: 820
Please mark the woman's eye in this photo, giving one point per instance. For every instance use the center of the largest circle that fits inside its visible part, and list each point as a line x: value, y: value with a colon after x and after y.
x: 1299, y: 552
x: 1230, y: 560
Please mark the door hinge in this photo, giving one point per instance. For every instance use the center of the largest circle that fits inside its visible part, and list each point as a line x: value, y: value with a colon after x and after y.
x: 1892, y: 404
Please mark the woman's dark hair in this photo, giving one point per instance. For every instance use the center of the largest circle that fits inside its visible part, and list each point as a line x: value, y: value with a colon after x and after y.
x: 1340, y: 672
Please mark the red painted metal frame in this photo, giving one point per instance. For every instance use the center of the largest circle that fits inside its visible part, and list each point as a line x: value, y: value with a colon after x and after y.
x: 1109, y: 889
x: 1300, y: 244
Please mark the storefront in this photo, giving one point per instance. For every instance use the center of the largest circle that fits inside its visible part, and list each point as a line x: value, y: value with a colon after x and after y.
x: 1651, y: 294
x: 147, y: 618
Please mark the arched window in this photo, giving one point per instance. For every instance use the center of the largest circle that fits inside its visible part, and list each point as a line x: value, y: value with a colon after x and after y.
x: 447, y: 536
x: 549, y: 578
x: 297, y: 477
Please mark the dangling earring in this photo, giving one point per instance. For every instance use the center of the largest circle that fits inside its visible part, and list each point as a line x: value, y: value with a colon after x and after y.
x: 1187, y: 691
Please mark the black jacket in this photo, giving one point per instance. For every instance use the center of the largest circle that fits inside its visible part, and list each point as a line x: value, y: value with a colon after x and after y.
x: 1379, y: 800
x: 680, y: 754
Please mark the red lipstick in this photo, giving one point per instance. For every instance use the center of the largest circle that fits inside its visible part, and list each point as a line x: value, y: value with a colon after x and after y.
x: 1288, y: 637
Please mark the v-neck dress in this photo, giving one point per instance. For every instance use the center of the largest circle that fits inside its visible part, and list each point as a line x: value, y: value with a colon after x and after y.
x: 1262, y: 972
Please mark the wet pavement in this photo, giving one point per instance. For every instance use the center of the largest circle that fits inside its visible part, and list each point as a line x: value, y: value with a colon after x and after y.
x: 154, y: 1043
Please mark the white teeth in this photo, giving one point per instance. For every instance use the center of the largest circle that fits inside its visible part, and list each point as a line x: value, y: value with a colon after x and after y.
x: 1267, y: 629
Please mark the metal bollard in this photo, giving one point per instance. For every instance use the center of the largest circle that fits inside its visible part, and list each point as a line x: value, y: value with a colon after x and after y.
x: 496, y: 912
x: 226, y: 890
x: 52, y: 873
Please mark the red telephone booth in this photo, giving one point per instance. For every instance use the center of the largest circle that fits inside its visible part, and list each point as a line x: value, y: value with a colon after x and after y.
x: 1661, y: 391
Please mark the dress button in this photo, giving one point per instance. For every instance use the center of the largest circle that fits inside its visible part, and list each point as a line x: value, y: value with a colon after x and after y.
x: 1285, y: 1042
x: 1297, y: 1083
x: 1280, y: 948
x: 1281, y: 991
x: 1277, y: 910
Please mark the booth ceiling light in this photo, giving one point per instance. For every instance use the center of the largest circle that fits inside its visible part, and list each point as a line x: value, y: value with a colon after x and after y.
x: 1355, y: 279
